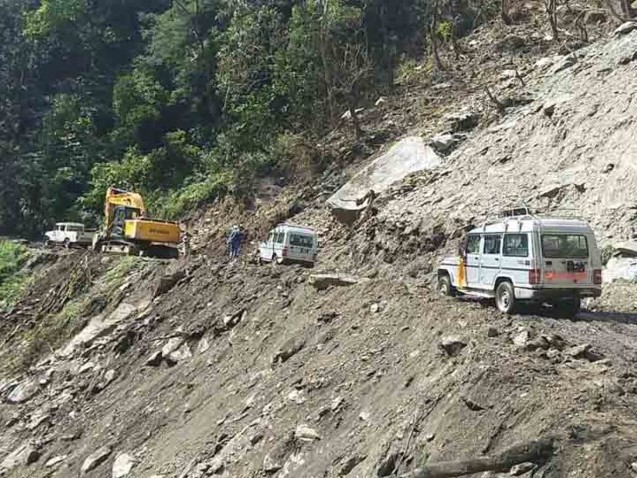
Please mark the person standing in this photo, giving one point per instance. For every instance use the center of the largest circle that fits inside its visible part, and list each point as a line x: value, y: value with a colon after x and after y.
x: 234, y: 240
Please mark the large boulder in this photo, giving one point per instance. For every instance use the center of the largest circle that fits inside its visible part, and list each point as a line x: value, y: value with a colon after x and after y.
x: 406, y: 157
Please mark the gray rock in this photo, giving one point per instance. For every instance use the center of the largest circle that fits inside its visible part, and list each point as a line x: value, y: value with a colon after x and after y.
x: 351, y: 463
x: 492, y: 332
x: 522, y: 468
x: 155, y: 359
x: 288, y: 350
x: 123, y: 465
x: 584, y: 351
x: 56, y: 460
x: 522, y: 339
x: 446, y: 142
x: 271, y: 465
x: 305, y: 433
x: 625, y: 28
x: 96, y: 458
x: 203, y: 346
x: 23, y: 392
x: 375, y: 308
x: 21, y: 456
x: 452, y: 345
x: 179, y: 355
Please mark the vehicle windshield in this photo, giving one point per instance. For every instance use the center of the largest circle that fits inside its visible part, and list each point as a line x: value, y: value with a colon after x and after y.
x: 564, y: 246
x: 301, y: 240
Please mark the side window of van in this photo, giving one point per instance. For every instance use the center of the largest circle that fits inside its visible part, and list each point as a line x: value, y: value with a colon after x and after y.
x: 473, y: 244
x: 279, y: 238
x: 516, y: 245
x: 492, y: 244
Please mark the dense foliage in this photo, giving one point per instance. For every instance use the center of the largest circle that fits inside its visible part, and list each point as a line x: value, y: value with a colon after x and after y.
x: 183, y: 99
x: 12, y: 258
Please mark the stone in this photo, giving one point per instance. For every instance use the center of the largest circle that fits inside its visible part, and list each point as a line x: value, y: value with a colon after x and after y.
x: 452, y: 345
x: 471, y: 404
x: 172, y: 345
x: 22, y: 456
x: 123, y: 465
x: 155, y: 359
x: 364, y: 416
x: 233, y: 320
x: 256, y: 438
x: 296, y: 396
x: 492, y: 332
x: 463, y: 120
x: 323, y: 281
x: 270, y: 465
x: 625, y: 28
x: 584, y: 351
x: 203, y: 346
x: 167, y: 282
x: 290, y: 348
x: 351, y: 463
x: 56, y: 460
x: 23, y: 392
x: 522, y: 339
x: 179, y: 355
x: 96, y: 458
x: 444, y: 143
x: 375, y: 308
x: 430, y: 436
x: 336, y: 403
x: 305, y: 433
x: 633, y: 466
x: 521, y: 469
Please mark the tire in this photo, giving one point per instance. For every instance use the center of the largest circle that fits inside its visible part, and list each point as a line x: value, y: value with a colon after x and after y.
x: 505, y: 297
x: 444, y: 286
x: 277, y: 260
x: 67, y: 243
x: 568, y: 308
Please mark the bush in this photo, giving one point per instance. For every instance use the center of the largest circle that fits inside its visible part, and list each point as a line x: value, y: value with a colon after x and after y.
x: 12, y: 280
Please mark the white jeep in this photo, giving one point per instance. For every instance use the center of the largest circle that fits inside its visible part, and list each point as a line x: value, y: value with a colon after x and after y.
x: 68, y: 234
x: 526, y: 258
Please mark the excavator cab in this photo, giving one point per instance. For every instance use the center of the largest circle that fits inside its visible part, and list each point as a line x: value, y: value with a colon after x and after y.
x: 120, y: 215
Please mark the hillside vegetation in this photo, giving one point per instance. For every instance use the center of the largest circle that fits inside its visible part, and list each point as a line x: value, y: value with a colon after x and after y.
x: 188, y: 99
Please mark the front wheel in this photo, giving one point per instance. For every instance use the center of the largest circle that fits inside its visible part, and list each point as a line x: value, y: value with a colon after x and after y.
x: 67, y: 243
x: 444, y: 286
x: 505, y: 297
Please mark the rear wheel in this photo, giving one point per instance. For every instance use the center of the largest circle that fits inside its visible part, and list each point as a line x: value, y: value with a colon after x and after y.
x: 505, y: 297
x: 568, y: 308
x: 67, y: 243
x: 444, y: 286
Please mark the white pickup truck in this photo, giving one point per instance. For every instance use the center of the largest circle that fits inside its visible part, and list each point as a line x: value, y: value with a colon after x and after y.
x: 69, y: 234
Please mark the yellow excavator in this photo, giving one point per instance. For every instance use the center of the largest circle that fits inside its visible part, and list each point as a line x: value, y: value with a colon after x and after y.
x: 127, y: 230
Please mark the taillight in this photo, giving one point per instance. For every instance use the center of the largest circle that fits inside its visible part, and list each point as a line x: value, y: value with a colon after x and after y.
x: 534, y: 276
x: 285, y: 252
x: 597, y: 277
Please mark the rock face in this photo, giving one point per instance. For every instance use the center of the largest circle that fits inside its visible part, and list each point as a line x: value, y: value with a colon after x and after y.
x: 96, y: 458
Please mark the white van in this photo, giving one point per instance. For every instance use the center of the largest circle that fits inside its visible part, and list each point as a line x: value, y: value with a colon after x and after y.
x: 526, y: 258
x: 289, y: 243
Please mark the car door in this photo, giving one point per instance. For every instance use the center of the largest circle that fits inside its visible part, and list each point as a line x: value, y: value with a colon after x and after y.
x: 490, y: 260
x: 266, y: 247
x: 472, y: 260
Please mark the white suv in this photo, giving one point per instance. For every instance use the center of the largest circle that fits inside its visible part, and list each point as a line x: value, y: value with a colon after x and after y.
x: 526, y: 258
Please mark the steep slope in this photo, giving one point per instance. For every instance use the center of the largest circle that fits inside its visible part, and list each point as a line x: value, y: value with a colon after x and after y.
x: 198, y: 368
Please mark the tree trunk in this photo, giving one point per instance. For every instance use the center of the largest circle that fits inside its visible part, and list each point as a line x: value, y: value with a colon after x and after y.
x: 434, y: 45
x: 551, y: 10
x: 504, y: 12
